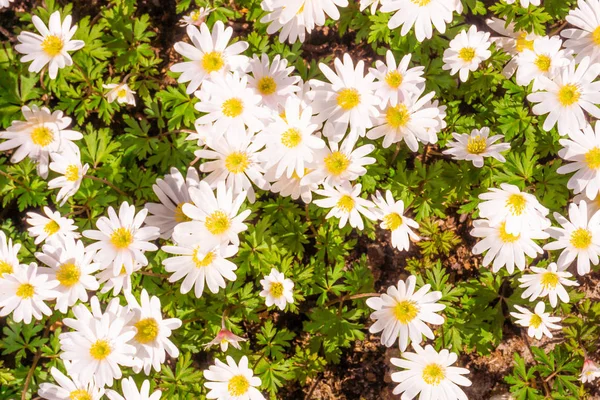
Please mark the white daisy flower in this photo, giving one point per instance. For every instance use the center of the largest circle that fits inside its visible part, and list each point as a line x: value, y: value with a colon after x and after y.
x: 476, y: 146
x: 230, y: 104
x: 73, y: 268
x: 118, y: 282
x: 173, y: 193
x: 69, y: 166
x: 277, y: 289
x: 24, y: 293
x: 422, y: 15
x: 503, y: 248
x: 196, y: 17
x: 519, y: 210
x: 69, y: 388
x: 224, y: 338
x: 40, y: 134
x: 295, y: 186
x: 413, y: 120
x: 290, y: 140
x: 467, y: 50
x: 391, y: 213
x: 549, y: 282
x: 545, y: 59
x: 210, y: 53
x: 589, y: 372
x: 280, y: 17
x: 339, y: 163
x: 349, y: 100
x: 538, y: 322
x: 200, y: 262
x: 582, y: 149
x: 566, y: 97
x: 236, y: 161
x: 272, y: 80
x: 513, y: 42
x: 151, y: 340
x: 584, y: 39
x: 579, y: 236
x: 232, y: 381
x: 396, y: 82
x: 217, y: 215
x: 430, y: 375
x: 120, y: 92
x: 402, y: 313
x: 131, y: 392
x: 346, y: 204
x: 9, y: 261
x: 54, y: 229
x: 524, y: 3
x: 51, y: 47
x: 99, y: 344
x: 121, y: 241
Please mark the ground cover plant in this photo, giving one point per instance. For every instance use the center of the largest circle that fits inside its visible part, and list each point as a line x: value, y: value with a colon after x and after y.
x: 299, y: 199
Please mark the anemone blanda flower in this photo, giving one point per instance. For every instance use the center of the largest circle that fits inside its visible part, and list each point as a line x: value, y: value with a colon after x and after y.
x: 116, y: 282
x: 430, y: 375
x: 173, y: 193
x: 208, y: 53
x: 120, y: 239
x: 69, y: 387
x: 196, y: 17
x: 546, y: 58
x: 120, y: 92
x: 549, y: 282
x: 396, y: 82
x: 476, y: 146
x: 589, y: 372
x: 69, y: 166
x: 51, y: 47
x: 346, y: 204
x: 9, y: 261
x: 24, y: 293
x: 538, y: 322
x: 391, y: 214
x: 584, y: 38
x: 224, y: 338
x: 467, y: 50
x: 401, y: 313
x: 277, y: 289
x: 422, y: 15
x: 232, y: 381
x: 131, y: 392
x: 295, y: 187
x: 567, y: 96
x: 272, y: 80
x: 578, y: 236
x: 582, y: 149
x: 40, y: 134
x: 52, y: 228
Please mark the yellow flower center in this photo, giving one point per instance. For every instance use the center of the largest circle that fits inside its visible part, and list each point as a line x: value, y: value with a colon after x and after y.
x: 543, y: 62
x: 80, y: 394
x: 266, y: 85
x: 398, y: 116
x: 72, y: 173
x: 147, y: 330
x: 232, y: 108
x: 217, y: 223
x: 405, y: 311
x: 568, y: 95
x: 205, y: 261
x: 238, y: 385
x: 212, y: 62
x: 394, y: 79
x: 276, y: 289
x: 467, y: 54
x: 505, y: 236
x: 421, y: 3
x: 523, y: 43
x: 345, y: 203
x: 179, y: 215
x: 433, y: 374
x: 51, y: 227
x: 476, y: 145
x: 535, y: 321
x: 237, y: 162
x: 581, y: 238
x: 549, y: 280
x: 596, y: 36
x: 392, y: 221
x: 121, y: 238
x: 122, y: 93
x: 52, y: 45
x: 5, y: 268
x: 25, y: 291
x: 516, y: 203
x: 68, y: 274
x: 195, y: 15
x: 100, y: 349
x: 291, y: 138
x: 592, y: 158
x: 42, y: 136
x: 336, y: 163
x: 348, y: 98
